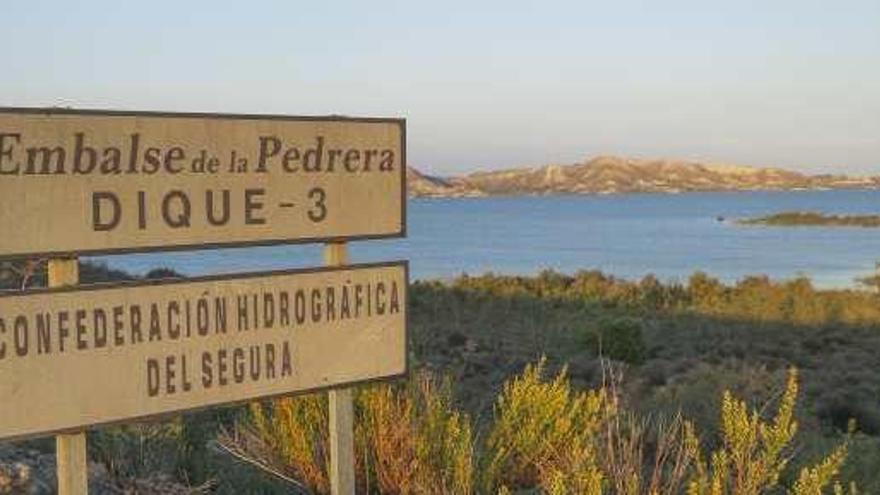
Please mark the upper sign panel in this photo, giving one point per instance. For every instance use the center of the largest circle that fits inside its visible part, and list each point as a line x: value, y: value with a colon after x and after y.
x: 102, y: 182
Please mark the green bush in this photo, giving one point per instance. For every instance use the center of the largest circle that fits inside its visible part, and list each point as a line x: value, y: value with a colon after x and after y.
x: 137, y: 450
x: 618, y: 338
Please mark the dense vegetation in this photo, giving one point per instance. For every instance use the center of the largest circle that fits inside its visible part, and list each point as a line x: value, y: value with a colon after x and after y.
x: 543, y: 435
x: 811, y: 219
x: 696, y: 374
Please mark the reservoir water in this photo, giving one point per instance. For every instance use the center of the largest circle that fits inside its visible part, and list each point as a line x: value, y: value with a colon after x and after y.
x: 630, y: 235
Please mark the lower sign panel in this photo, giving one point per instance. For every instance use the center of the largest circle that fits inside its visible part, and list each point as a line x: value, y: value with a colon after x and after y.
x: 86, y: 356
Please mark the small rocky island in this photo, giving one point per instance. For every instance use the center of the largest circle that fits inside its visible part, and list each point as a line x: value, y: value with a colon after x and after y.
x: 813, y: 219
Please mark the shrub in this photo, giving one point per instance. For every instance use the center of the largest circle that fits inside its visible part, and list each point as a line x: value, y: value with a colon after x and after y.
x: 162, y: 273
x: 617, y: 338
x: 137, y: 450
x: 754, y: 452
x: 705, y: 292
x: 415, y: 441
x: 288, y: 438
x: 814, y: 479
x: 409, y: 439
x: 544, y: 435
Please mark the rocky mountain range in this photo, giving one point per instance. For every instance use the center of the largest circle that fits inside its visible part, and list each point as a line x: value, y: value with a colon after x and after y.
x: 611, y: 174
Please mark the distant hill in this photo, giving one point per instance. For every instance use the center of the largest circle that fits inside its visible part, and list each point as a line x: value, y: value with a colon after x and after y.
x: 611, y: 174
x: 425, y: 186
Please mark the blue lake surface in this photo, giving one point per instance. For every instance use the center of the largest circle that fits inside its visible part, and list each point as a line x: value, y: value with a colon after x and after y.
x: 631, y: 235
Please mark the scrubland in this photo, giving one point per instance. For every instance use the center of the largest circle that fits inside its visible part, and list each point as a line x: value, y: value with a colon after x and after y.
x: 567, y: 384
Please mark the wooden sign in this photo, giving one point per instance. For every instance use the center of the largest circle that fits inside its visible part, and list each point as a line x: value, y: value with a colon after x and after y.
x: 88, y: 182
x: 83, y: 356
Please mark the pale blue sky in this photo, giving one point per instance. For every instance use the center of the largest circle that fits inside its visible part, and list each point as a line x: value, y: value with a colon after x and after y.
x: 484, y: 84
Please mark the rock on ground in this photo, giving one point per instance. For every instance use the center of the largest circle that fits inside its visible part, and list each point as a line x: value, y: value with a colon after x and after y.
x: 31, y: 472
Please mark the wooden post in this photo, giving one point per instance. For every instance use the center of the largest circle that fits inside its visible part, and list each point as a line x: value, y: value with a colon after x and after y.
x: 70, y: 449
x: 341, y: 410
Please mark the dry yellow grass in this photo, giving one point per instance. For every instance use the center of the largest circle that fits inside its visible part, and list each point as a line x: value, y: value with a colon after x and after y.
x: 545, y: 436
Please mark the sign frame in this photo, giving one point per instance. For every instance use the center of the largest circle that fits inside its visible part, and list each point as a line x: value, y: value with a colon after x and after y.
x: 404, y: 264
x: 198, y: 246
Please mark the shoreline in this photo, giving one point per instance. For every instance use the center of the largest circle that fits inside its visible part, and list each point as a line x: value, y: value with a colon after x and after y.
x: 451, y: 279
x: 639, y: 193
